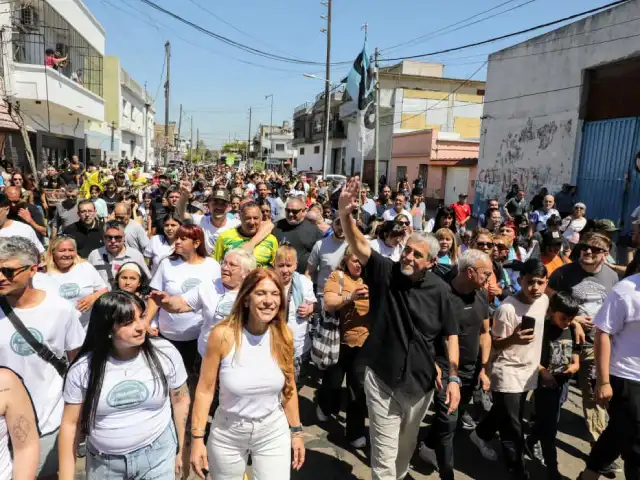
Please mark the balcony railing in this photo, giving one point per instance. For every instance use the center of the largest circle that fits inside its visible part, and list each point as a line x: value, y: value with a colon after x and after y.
x: 302, y: 109
x: 37, y: 28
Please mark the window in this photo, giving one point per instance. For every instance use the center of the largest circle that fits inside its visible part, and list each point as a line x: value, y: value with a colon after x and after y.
x: 124, y: 108
x: 279, y: 147
x: 401, y: 174
x: 133, y: 111
x: 316, y: 149
x: 301, y: 150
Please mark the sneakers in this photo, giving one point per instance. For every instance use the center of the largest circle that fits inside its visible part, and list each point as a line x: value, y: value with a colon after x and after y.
x: 321, y: 415
x: 359, y: 442
x: 534, y: 451
x: 485, y: 450
x: 467, y: 422
x: 610, y: 470
x: 428, y: 456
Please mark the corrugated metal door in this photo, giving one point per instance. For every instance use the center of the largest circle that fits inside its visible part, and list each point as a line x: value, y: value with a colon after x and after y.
x: 606, y: 161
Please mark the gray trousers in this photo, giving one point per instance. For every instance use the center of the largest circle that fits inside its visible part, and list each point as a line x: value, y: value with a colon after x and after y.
x: 394, y: 423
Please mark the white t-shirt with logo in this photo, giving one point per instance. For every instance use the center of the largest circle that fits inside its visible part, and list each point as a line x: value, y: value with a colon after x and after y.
x: 82, y: 280
x: 56, y: 323
x: 19, y: 229
x: 176, y: 277
x: 133, y: 409
x: 211, y: 232
x: 298, y: 325
x: 214, y: 302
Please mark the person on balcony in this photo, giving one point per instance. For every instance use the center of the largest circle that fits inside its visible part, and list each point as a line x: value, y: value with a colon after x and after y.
x: 51, y: 60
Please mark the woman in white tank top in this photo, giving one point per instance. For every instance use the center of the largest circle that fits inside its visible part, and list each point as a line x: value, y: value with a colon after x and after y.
x: 18, y: 424
x: 251, y: 354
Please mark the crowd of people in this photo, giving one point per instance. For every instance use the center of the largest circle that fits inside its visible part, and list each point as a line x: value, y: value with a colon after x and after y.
x: 163, y: 323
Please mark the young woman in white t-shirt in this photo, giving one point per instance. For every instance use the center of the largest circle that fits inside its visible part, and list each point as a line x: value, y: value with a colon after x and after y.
x: 78, y: 281
x: 389, y: 241
x: 188, y: 267
x: 128, y: 394
x: 251, y: 353
x: 17, y: 427
x: 300, y: 305
x: 161, y: 246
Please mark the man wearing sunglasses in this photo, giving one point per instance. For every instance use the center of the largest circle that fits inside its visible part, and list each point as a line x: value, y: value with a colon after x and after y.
x: 25, y: 212
x: 589, y: 281
x: 299, y: 232
x: 11, y: 228
x: 115, y: 253
x: 53, y: 322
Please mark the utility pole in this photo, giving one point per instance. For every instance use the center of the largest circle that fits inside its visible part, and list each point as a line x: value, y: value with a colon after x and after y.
x: 198, y: 142
x: 191, y: 149
x: 270, y: 128
x: 376, y: 169
x: 167, y: 86
x: 249, y: 137
x: 327, y: 82
x: 180, y: 122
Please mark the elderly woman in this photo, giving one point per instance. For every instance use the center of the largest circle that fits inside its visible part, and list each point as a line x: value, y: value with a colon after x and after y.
x: 78, y: 280
x: 574, y: 224
x: 213, y: 300
x: 347, y: 296
x: 250, y: 356
x: 301, y: 303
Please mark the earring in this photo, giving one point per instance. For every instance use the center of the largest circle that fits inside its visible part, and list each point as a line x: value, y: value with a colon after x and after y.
x: 109, y: 335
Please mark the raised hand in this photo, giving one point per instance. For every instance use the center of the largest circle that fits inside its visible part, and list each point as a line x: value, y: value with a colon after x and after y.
x: 348, y: 200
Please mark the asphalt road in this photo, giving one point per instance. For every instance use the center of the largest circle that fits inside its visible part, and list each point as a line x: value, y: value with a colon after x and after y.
x: 329, y: 457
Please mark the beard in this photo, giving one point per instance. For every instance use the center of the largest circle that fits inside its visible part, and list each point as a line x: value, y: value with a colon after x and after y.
x: 407, y: 270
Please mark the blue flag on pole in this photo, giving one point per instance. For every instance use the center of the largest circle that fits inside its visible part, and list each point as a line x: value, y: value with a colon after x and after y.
x: 361, y: 80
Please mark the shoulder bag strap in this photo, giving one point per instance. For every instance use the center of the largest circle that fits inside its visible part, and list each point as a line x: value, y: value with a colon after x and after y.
x: 40, y: 348
x: 107, y: 268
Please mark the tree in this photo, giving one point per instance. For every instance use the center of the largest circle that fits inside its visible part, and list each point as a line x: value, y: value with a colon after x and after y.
x: 234, y: 147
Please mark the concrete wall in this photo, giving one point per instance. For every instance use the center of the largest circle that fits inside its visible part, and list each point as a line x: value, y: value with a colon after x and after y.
x: 309, y: 160
x: 530, y: 128
x: 82, y: 20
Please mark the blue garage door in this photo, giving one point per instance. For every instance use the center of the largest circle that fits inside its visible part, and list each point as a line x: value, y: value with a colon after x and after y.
x: 607, y: 180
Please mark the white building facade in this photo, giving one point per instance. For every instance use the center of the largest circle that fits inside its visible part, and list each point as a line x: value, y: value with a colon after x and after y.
x: 137, y: 122
x: 55, y: 99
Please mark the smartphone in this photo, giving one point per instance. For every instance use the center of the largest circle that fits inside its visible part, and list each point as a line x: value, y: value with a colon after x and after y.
x: 528, y: 323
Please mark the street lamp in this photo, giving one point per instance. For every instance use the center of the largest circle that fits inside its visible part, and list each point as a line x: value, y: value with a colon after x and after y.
x: 270, y: 127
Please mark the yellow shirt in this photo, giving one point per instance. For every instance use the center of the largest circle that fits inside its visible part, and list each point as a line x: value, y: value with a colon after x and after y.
x: 265, y: 252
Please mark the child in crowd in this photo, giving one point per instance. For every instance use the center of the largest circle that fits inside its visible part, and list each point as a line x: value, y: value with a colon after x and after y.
x: 559, y: 360
x: 518, y: 326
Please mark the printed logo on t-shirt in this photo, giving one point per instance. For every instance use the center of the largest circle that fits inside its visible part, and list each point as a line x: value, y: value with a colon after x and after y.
x: 20, y: 346
x: 190, y: 283
x: 69, y: 290
x: 127, y: 394
x: 223, y: 310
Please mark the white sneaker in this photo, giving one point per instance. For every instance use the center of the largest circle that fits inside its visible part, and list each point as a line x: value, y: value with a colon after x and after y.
x: 428, y: 455
x: 359, y: 442
x: 485, y: 450
x: 320, y: 414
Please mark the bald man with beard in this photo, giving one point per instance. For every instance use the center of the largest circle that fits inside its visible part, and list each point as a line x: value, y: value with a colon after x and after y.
x: 21, y: 211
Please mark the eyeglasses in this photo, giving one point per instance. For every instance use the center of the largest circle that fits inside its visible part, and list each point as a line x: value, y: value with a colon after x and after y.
x: 593, y: 249
x: 484, y: 244
x: 501, y: 246
x: 10, y: 272
x: 111, y: 238
x: 294, y: 211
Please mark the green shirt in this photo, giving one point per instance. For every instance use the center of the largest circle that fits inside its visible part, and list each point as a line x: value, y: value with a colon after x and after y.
x: 265, y: 252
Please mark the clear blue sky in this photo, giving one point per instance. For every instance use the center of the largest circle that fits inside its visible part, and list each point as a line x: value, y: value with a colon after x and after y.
x: 217, y: 89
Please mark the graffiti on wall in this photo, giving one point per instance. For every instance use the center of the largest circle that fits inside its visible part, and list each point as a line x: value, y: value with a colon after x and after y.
x: 534, y: 156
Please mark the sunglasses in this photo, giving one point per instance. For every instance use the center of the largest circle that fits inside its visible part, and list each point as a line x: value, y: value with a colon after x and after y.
x: 10, y: 272
x: 484, y: 244
x: 110, y: 238
x: 406, y: 223
x: 294, y: 211
x: 593, y: 249
x: 501, y: 246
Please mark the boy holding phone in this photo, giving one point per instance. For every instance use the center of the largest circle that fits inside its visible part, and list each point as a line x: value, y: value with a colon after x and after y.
x: 560, y: 359
x: 518, y: 326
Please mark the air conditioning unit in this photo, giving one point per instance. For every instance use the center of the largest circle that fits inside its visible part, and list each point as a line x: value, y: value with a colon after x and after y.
x: 28, y: 16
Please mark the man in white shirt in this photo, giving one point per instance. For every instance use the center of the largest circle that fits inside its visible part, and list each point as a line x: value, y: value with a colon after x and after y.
x: 11, y: 228
x: 325, y: 257
x: 618, y: 379
x: 397, y: 209
x: 115, y: 253
x: 366, y: 203
x: 215, y: 222
x: 52, y: 321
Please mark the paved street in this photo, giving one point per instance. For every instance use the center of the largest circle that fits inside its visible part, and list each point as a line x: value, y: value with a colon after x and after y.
x: 330, y: 458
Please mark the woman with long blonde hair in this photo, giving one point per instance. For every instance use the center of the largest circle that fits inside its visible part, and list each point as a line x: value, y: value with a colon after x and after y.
x: 78, y: 281
x: 251, y: 353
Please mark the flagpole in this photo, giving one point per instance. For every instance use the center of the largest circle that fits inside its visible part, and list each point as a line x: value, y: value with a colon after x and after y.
x: 376, y: 174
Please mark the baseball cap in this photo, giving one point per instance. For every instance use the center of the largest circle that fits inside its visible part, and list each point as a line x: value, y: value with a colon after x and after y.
x: 552, y: 238
x: 606, y: 225
x: 220, y: 194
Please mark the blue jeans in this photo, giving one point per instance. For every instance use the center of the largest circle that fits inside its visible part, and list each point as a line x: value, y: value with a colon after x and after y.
x: 153, y: 462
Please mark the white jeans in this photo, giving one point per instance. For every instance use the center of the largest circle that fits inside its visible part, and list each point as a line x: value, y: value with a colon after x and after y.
x: 233, y: 438
x: 394, y: 423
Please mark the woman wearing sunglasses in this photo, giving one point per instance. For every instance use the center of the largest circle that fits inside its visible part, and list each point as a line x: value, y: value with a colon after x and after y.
x: 483, y: 241
x: 128, y: 394
x: 402, y: 219
x: 78, y: 281
x: 347, y: 297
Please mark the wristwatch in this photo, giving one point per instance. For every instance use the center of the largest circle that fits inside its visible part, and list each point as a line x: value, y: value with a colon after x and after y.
x: 455, y: 380
x: 297, y: 429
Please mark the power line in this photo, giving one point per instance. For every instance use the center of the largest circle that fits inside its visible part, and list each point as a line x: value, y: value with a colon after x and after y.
x: 508, y: 35
x: 443, y: 31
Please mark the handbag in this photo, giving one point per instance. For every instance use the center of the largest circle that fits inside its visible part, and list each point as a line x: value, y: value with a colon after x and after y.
x: 60, y: 364
x: 325, y: 346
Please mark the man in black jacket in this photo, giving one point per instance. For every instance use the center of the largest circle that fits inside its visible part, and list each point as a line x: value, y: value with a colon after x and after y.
x: 87, y: 232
